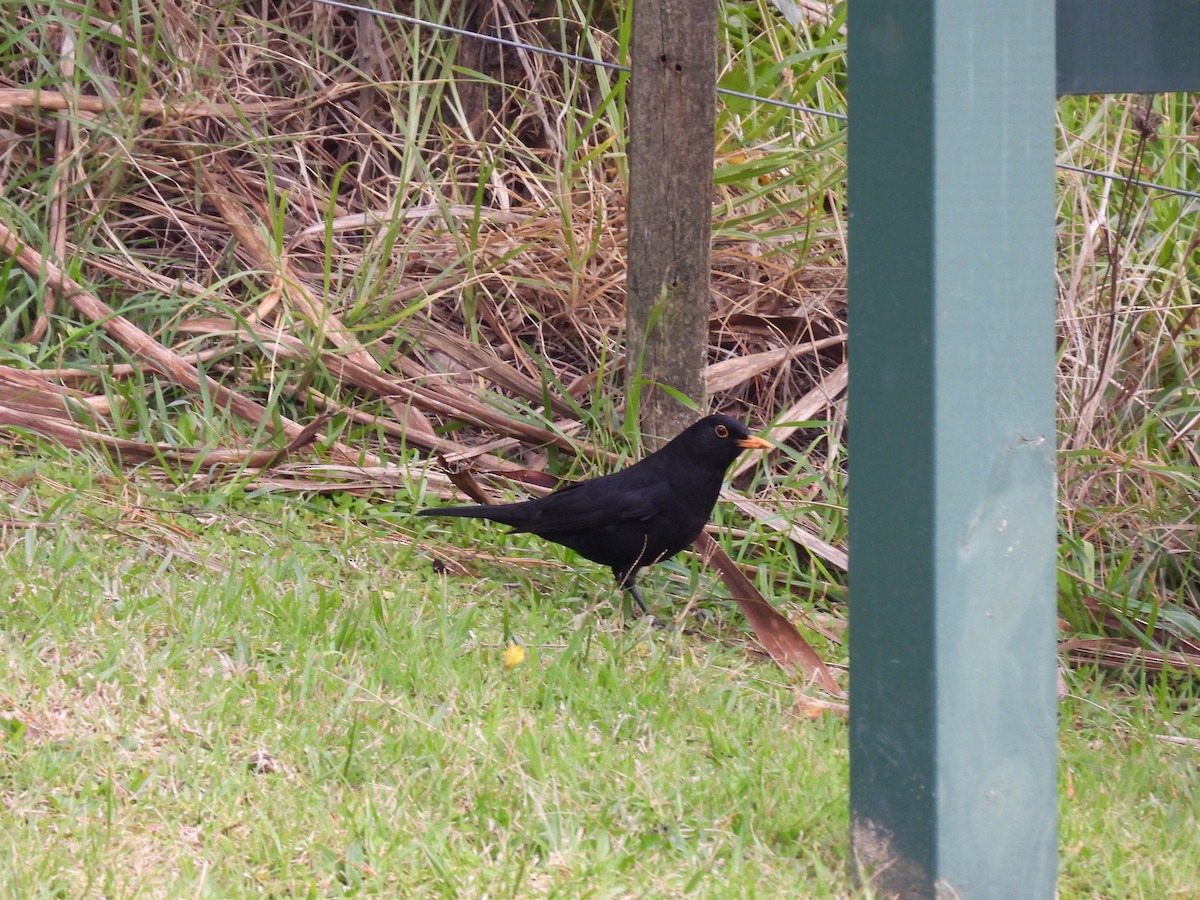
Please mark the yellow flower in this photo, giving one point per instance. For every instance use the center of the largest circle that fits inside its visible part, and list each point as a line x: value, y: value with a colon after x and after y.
x: 513, y: 656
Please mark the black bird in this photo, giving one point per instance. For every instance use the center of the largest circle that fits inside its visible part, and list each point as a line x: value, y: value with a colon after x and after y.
x: 638, y: 516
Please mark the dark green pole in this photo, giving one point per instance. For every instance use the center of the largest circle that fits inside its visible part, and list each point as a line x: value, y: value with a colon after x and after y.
x: 952, y: 515
x: 1128, y: 46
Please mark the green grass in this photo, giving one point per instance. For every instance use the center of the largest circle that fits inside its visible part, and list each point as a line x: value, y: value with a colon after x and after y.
x: 275, y: 698
x: 1128, y: 797
x: 220, y: 695
x: 214, y: 694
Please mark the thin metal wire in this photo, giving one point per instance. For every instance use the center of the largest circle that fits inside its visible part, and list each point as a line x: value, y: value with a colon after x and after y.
x: 841, y: 117
x: 486, y: 38
x: 559, y: 54
x: 741, y: 95
x: 1113, y: 176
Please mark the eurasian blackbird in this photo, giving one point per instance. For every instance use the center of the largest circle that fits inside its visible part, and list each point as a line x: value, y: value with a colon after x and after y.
x: 638, y: 516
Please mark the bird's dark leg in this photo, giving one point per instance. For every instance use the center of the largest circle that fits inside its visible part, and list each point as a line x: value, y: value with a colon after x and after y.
x: 637, y: 596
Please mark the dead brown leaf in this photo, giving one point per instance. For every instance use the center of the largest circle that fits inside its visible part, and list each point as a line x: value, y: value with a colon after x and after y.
x: 778, y: 636
x: 814, y: 707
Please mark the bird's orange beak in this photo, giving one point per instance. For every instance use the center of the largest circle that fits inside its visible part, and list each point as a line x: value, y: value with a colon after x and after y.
x: 753, y: 443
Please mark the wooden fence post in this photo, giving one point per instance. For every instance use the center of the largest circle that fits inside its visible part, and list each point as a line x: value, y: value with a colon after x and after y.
x: 672, y: 110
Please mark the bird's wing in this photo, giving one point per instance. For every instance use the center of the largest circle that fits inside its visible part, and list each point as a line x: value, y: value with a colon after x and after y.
x: 594, y: 504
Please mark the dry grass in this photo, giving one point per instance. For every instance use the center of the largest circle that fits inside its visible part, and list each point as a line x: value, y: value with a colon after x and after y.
x: 230, y: 220
x: 459, y: 244
x: 324, y: 218
x: 1128, y: 366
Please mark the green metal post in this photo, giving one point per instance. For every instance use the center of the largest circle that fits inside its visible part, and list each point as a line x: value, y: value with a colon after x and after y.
x: 952, y: 517
x: 1128, y: 46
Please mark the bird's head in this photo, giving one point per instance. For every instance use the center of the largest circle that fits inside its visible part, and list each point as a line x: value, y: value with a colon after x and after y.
x: 718, y: 440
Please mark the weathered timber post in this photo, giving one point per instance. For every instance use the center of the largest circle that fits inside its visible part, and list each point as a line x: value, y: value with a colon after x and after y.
x: 672, y: 110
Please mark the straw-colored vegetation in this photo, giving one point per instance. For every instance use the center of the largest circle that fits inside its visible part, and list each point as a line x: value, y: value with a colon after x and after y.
x: 272, y: 271
x: 321, y: 240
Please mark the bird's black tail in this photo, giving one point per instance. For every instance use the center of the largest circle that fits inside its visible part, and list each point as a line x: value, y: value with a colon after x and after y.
x: 504, y: 513
x: 465, y: 512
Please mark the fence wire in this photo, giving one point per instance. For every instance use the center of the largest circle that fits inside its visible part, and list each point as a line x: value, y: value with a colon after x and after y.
x: 741, y: 95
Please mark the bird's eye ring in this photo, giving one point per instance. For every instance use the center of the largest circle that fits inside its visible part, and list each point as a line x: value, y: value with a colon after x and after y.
x: 721, y: 431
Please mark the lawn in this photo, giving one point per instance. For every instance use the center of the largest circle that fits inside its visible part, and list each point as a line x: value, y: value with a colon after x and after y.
x: 211, y: 694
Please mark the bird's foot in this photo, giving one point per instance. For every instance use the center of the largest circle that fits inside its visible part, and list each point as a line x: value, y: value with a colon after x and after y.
x: 653, y: 622
x: 637, y: 598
